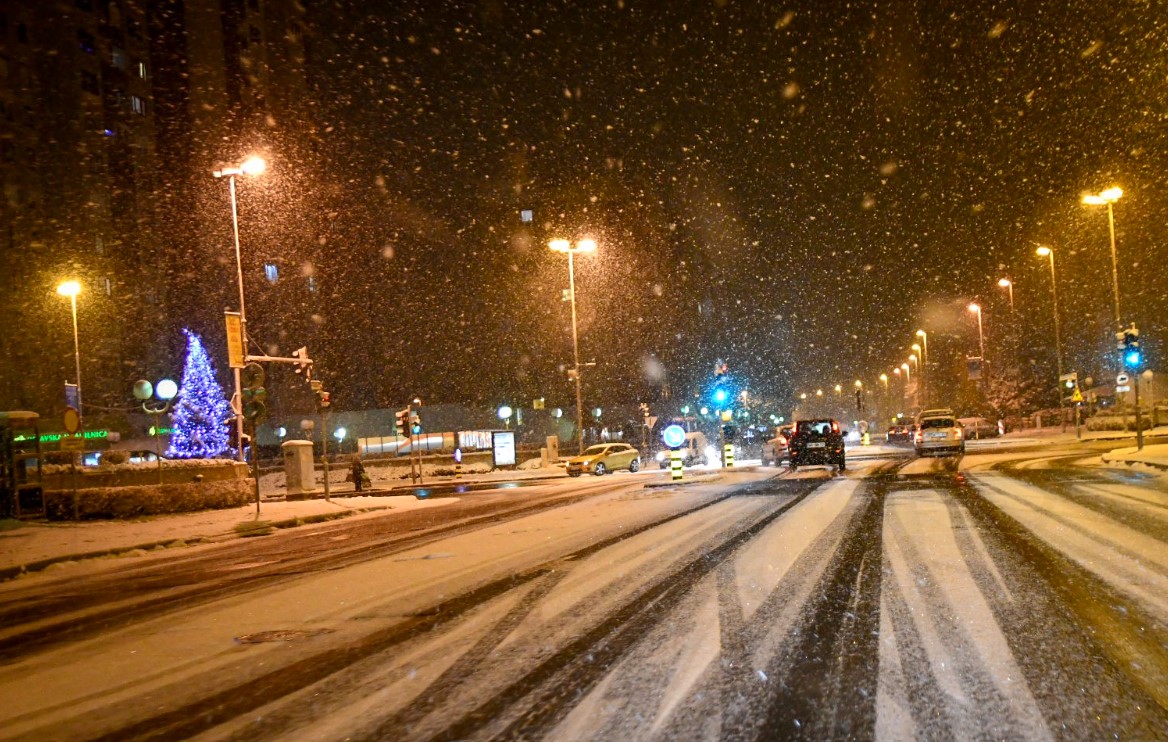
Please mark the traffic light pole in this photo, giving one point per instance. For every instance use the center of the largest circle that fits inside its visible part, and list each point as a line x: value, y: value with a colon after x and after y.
x: 1139, y: 417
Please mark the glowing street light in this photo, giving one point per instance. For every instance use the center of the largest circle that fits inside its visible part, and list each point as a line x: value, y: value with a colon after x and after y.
x: 1009, y: 286
x: 1108, y: 198
x: 884, y: 381
x: 71, y: 289
x: 251, y: 167
x: 582, y: 246
x: 976, y: 309
x: 924, y: 380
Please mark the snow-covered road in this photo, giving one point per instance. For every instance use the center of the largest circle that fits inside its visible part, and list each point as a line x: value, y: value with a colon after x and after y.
x: 999, y: 597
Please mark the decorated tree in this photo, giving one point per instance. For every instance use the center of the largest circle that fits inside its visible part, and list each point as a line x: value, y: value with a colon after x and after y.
x: 201, y: 414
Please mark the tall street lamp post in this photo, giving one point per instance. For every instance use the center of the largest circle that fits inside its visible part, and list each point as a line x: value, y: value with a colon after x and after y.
x: 925, y: 374
x: 976, y: 309
x: 1109, y: 197
x: 251, y: 166
x: 1046, y: 252
x: 1008, y: 285
x: 71, y: 289
x: 582, y: 246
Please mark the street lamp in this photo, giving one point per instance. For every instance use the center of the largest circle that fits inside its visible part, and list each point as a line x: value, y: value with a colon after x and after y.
x: 976, y: 309
x: 1109, y: 197
x: 165, y: 391
x: 71, y: 289
x: 884, y: 381
x: 252, y: 166
x: 1009, y: 286
x: 924, y: 336
x: 582, y: 246
x: 912, y: 358
x: 1045, y: 252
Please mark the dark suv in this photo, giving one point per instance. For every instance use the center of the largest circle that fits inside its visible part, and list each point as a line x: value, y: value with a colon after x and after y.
x: 816, y: 442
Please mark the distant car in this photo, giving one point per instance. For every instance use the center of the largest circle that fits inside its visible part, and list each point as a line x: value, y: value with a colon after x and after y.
x: 817, y: 442
x: 939, y: 435
x: 901, y: 432
x: 775, y: 451
x: 604, y: 458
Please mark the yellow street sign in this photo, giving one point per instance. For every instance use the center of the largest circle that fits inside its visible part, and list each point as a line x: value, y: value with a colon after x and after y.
x: 234, y: 340
x: 1077, y: 396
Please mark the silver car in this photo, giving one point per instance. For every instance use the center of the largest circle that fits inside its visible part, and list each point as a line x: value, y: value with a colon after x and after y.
x: 939, y: 435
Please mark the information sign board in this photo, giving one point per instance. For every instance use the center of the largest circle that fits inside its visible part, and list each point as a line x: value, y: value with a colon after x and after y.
x: 503, y: 448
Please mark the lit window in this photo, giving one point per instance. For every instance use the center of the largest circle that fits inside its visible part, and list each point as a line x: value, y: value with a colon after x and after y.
x: 312, y: 284
x: 109, y: 287
x: 137, y: 104
x: 118, y: 58
x: 142, y: 70
x: 271, y: 272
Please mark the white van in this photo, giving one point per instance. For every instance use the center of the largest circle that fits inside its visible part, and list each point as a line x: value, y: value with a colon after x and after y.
x: 693, y: 451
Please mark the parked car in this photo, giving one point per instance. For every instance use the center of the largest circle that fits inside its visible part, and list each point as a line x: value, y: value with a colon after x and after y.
x: 694, y: 451
x: 775, y: 451
x: 817, y: 442
x: 603, y: 458
x: 941, y: 434
x: 979, y: 427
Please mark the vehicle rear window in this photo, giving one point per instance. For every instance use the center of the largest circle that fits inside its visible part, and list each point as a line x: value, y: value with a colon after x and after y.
x: 938, y: 422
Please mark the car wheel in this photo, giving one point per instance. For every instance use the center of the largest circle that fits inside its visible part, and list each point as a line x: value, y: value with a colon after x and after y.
x: 600, y: 469
x: 634, y: 466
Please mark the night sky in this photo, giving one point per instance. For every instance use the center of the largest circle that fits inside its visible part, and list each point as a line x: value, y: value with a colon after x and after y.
x: 794, y: 188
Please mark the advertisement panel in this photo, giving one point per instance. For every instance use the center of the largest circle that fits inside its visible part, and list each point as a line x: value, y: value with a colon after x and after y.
x: 503, y: 448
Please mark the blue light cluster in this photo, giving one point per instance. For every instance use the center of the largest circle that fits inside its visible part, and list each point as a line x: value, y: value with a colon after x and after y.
x: 200, y: 430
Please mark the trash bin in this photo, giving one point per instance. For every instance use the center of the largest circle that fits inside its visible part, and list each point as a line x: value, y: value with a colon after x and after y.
x: 299, y: 470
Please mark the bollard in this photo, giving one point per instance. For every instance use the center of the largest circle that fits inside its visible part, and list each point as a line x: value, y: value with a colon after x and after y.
x: 675, y: 463
x: 728, y: 455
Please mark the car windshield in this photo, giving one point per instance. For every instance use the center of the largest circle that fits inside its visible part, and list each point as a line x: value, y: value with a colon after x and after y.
x: 938, y: 422
x: 595, y: 450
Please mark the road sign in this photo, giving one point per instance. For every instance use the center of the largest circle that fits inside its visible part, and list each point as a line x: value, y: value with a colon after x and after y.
x: 1072, y: 376
x: 71, y: 420
x: 673, y: 436
x: 72, y: 444
x: 650, y: 421
x: 235, y: 352
x: 1077, y: 396
x: 1122, y: 379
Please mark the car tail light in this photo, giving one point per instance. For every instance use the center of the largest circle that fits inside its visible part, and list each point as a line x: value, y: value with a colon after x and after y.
x: 959, y: 434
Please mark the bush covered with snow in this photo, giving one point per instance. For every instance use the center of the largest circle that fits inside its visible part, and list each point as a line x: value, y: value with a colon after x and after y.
x: 97, y: 503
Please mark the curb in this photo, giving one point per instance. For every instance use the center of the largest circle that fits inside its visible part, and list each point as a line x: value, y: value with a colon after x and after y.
x: 261, y: 528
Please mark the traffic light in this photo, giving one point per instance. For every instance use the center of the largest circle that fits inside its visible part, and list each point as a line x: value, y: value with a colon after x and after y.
x: 401, y: 419
x: 253, y: 395
x: 304, y: 364
x: 415, y: 423
x: 729, y: 432
x: 1130, y: 345
x: 324, y: 399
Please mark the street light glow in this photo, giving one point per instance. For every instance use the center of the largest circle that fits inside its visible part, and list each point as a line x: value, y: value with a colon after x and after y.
x: 586, y: 245
x: 975, y: 308
x: 253, y: 166
x: 1004, y: 283
x: 69, y: 288
x: 560, y: 245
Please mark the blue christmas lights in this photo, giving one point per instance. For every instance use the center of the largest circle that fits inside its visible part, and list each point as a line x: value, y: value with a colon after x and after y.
x: 202, y: 412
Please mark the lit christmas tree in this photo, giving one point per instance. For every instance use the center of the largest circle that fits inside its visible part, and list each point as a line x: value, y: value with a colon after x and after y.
x: 200, y: 430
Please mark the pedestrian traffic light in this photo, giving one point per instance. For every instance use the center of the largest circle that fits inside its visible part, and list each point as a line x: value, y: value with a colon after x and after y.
x: 415, y: 423
x: 401, y: 420
x: 1130, y: 345
x: 324, y: 399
